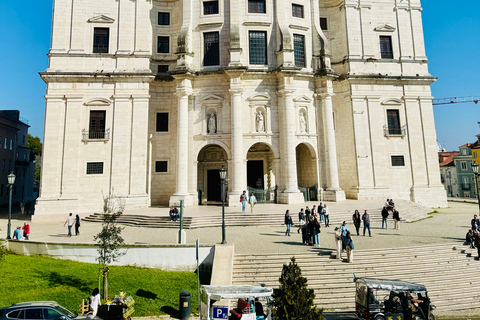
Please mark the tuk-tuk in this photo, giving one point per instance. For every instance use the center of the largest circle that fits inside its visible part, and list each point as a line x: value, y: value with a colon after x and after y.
x: 392, y: 300
x: 249, y: 302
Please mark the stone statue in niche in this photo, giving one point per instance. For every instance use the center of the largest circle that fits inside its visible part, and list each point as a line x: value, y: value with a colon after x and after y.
x: 212, y: 123
x: 260, y: 126
x: 303, y: 123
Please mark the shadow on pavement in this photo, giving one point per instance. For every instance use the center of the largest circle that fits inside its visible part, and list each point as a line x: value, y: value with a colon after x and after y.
x: 290, y: 243
x: 62, y: 235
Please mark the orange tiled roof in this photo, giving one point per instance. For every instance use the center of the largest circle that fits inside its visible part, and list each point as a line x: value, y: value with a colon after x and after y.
x: 446, y: 158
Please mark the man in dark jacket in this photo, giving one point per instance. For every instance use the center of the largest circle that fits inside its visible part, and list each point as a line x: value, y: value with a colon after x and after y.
x: 384, y: 217
x: 475, y: 223
x: 366, y: 223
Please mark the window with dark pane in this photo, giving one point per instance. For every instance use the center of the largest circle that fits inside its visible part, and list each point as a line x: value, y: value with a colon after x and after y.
x: 162, y: 121
x: 256, y: 6
x: 96, y: 129
x: 161, y: 166
x: 163, y: 45
x: 211, y: 49
x: 100, y: 40
x: 258, y: 47
x: 299, y: 50
x: 164, y: 18
x: 297, y: 10
x: 398, y: 161
x: 393, y: 121
x: 162, y: 68
x: 386, y: 47
x: 210, y: 7
x: 323, y: 24
x: 94, y: 167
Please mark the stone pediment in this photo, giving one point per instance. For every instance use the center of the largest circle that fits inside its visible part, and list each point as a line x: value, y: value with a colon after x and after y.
x: 98, y: 102
x: 392, y: 102
x: 260, y: 97
x: 303, y: 98
x: 385, y: 28
x: 101, y: 19
x: 212, y: 98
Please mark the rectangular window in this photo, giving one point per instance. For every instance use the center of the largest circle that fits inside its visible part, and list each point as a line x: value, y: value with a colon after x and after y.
x: 17, y: 156
x: 162, y: 45
x: 256, y: 6
x: 463, y: 164
x: 164, y: 18
x: 297, y: 10
x: 5, y: 143
x: 393, y: 121
x: 211, y: 49
x: 96, y: 129
x: 23, y: 139
x: 258, y: 47
x: 162, y: 68
x: 161, y: 166
x: 475, y: 155
x: 386, y: 47
x: 299, y: 50
x: 162, y: 122
x: 94, y: 167
x: 100, y: 40
x: 210, y: 7
x: 11, y: 144
x: 323, y: 24
x: 398, y: 161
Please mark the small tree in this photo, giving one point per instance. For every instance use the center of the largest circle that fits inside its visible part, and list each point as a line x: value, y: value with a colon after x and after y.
x: 293, y: 300
x: 109, y: 239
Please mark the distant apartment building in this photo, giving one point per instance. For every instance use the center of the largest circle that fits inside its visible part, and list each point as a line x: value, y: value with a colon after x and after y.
x: 465, y: 176
x: 448, y: 172
x: 15, y: 157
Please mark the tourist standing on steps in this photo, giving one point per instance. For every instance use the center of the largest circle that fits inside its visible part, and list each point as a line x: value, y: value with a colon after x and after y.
x: 338, y: 242
x: 476, y: 240
x: 300, y: 217
x: 396, y: 219
x: 475, y: 224
x: 70, y: 224
x: 384, y: 217
x: 314, y: 212
x: 320, y: 212
x: 303, y: 226
x: 326, y: 213
x: 252, y: 200
x: 26, y: 230
x: 366, y: 223
x: 77, y: 225
x: 288, y: 222
x: 344, y: 229
x: 316, y: 231
x: 349, y: 246
x: 244, y: 200
x: 357, y: 221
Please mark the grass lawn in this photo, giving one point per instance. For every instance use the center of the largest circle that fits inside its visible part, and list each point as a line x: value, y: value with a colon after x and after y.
x: 30, y: 278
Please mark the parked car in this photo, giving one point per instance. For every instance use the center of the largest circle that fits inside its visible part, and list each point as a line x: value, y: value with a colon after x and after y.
x: 40, y: 310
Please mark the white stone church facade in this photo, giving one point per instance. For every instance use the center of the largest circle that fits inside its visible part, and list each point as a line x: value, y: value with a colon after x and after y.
x: 148, y: 99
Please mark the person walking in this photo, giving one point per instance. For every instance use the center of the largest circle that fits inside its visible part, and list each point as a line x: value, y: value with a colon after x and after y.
x: 326, y: 213
x: 349, y: 246
x: 288, y: 222
x: 244, y: 200
x: 338, y: 242
x: 26, y: 230
x: 95, y: 301
x: 366, y: 223
x: 396, y: 219
x: 357, y: 221
x: 384, y: 217
x: 22, y: 207
x: 77, y: 225
x: 252, y: 200
x: 316, y: 231
x: 70, y: 224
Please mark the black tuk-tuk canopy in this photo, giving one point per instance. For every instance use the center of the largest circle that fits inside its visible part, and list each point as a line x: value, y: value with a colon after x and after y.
x: 391, y: 285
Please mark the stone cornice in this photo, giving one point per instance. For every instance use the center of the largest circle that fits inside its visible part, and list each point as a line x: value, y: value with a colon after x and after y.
x: 387, y: 78
x: 64, y: 76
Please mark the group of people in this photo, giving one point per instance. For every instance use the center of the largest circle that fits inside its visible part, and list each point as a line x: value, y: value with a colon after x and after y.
x: 309, y: 223
x: 406, y: 303
x: 473, y: 235
x: 17, y: 234
x: 71, y: 221
x: 387, y: 208
x: 244, y: 198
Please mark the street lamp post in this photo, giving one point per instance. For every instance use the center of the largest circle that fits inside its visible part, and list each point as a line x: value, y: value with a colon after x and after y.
x: 475, y: 172
x: 223, y: 178
x: 11, y: 181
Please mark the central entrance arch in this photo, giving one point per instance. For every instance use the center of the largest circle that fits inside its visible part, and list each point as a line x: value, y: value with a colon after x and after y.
x: 307, y: 174
x: 261, y: 172
x: 210, y: 160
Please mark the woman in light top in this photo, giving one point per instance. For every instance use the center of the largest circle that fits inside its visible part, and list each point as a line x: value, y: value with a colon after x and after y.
x: 95, y: 301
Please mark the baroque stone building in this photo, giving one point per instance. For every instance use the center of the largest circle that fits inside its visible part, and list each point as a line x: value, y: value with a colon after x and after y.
x: 148, y: 99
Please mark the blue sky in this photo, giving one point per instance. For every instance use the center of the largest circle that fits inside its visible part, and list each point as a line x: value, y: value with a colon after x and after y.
x: 452, y: 37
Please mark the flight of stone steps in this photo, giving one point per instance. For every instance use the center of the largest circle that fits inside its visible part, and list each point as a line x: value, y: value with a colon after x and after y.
x: 450, y: 273
x: 408, y: 212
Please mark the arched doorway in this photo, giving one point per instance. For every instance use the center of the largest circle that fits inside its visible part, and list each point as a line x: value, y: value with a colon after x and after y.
x: 307, y: 175
x: 261, y: 172
x: 210, y: 160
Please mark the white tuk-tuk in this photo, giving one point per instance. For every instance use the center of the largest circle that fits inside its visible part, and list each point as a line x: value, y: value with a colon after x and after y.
x: 249, y: 302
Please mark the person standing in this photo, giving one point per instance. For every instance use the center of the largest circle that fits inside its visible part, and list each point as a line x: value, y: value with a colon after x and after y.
x: 320, y: 212
x: 303, y: 226
x: 366, y: 223
x: 288, y: 222
x: 338, y: 242
x: 349, y: 246
x: 252, y: 200
x: 300, y: 217
x: 316, y: 231
x: 22, y: 207
x: 77, y: 225
x: 95, y: 301
x: 244, y: 200
x: 357, y: 221
x: 70, y: 224
x: 396, y: 219
x: 384, y: 217
x: 326, y: 213
x: 26, y: 230
x: 475, y: 223
x: 344, y: 229
x: 314, y: 212
x: 476, y: 240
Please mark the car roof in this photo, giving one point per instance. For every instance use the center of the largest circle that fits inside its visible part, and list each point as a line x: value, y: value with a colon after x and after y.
x: 36, y: 303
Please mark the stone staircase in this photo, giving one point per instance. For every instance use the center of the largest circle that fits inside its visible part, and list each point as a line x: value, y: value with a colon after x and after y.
x: 408, y: 212
x: 449, y: 271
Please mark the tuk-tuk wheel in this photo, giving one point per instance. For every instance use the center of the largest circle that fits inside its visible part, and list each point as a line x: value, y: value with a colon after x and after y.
x: 379, y: 317
x: 431, y: 317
